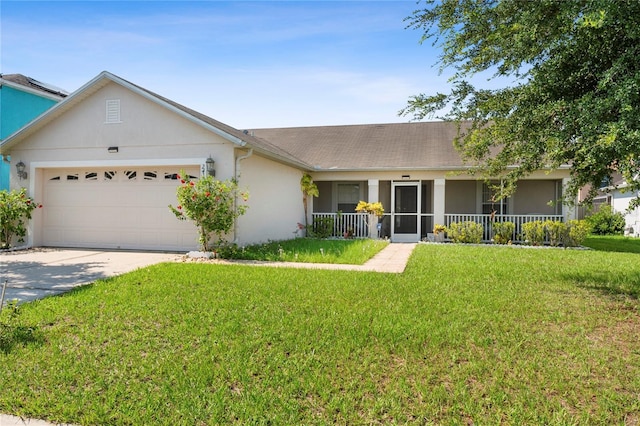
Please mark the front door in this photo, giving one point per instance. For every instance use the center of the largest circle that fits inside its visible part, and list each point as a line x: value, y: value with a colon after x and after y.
x: 405, y: 215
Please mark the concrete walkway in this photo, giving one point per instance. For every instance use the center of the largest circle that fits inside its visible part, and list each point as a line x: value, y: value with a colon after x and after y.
x: 38, y: 273
x: 392, y: 259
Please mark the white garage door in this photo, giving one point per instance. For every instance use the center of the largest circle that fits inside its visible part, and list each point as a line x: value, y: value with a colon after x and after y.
x: 115, y: 208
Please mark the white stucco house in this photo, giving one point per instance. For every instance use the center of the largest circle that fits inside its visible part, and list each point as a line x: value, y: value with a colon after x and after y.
x: 104, y: 164
x: 620, y: 201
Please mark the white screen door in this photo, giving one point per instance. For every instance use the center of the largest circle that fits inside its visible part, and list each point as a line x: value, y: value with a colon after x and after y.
x: 405, y: 213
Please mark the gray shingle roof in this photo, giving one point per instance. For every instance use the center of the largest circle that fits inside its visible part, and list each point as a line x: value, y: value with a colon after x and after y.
x: 424, y: 145
x: 34, y: 84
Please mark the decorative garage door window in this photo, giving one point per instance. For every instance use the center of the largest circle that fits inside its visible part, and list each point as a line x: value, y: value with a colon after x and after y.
x: 128, y: 175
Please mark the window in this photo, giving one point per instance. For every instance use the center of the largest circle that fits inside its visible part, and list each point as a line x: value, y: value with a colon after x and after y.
x: 489, y: 204
x: 348, y: 197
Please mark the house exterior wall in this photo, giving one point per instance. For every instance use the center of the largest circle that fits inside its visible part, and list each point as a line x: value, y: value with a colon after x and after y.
x: 275, y: 201
x: 620, y: 203
x: 17, y: 108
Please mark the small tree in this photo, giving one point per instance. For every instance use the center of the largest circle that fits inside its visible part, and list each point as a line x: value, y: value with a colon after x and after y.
x: 373, y: 209
x: 15, y: 211
x: 309, y: 189
x: 211, y: 204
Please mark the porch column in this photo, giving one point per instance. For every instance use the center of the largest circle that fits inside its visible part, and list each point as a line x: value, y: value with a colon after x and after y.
x: 373, y: 191
x: 568, y: 212
x: 373, y: 197
x: 438, y: 201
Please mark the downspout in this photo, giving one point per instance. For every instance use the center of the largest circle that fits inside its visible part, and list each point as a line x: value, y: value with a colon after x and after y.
x: 237, y: 178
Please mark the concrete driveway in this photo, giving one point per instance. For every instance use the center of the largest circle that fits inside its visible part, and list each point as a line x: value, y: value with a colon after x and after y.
x: 37, y: 273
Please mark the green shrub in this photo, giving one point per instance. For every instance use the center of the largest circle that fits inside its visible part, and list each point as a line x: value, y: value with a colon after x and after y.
x: 465, y: 232
x: 322, y: 227
x: 557, y: 232
x: 533, y: 233
x: 15, y: 212
x: 503, y: 232
x: 578, y: 232
x: 606, y: 222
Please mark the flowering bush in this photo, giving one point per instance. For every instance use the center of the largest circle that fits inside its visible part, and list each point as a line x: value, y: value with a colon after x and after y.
x: 15, y: 211
x: 211, y: 204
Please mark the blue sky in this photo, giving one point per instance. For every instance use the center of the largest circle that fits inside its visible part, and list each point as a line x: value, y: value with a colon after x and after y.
x: 249, y: 64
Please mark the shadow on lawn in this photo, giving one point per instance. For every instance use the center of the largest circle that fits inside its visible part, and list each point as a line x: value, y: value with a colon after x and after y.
x: 12, y: 335
x: 617, y: 283
x: 613, y: 244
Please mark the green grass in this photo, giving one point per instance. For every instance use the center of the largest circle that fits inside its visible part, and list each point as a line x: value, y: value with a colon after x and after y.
x: 489, y: 335
x: 616, y: 243
x: 309, y: 250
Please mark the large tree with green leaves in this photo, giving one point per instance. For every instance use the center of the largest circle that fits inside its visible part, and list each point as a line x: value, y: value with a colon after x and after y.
x: 573, y: 96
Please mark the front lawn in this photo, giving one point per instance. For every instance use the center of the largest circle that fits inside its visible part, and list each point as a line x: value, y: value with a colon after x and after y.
x: 616, y: 243
x: 309, y: 250
x: 483, y: 335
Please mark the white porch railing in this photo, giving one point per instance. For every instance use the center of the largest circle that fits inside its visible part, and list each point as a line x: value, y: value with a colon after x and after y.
x: 356, y: 224
x: 353, y: 224
x: 486, y: 220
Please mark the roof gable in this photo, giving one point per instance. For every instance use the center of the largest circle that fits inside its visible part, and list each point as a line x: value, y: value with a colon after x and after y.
x: 237, y: 137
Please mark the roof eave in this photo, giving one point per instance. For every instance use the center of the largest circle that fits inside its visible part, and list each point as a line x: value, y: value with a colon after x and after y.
x: 31, y: 90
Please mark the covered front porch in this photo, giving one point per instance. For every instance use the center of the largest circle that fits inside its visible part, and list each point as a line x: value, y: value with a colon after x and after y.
x: 414, y: 207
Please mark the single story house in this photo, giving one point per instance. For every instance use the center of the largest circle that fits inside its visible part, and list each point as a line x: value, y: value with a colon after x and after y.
x: 104, y: 164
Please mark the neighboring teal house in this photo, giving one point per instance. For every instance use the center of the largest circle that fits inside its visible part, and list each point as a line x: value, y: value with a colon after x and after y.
x: 21, y: 100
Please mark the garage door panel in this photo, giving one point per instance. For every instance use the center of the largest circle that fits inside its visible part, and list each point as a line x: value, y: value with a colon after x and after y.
x: 115, y: 212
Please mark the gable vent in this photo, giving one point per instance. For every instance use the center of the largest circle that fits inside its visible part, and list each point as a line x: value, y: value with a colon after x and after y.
x: 113, y: 111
